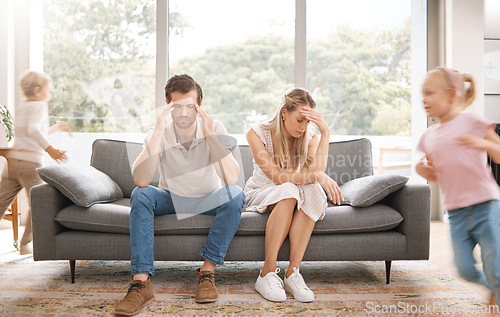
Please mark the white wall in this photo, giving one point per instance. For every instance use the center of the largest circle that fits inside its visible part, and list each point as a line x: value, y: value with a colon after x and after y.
x: 22, y: 43
x: 19, y: 51
x: 465, y: 36
x: 7, y: 54
x: 419, y: 70
x: 492, y: 33
x: 492, y: 108
x: 491, y: 19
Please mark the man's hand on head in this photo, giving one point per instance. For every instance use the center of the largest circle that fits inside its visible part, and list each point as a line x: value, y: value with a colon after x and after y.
x: 161, y: 117
x: 208, y: 121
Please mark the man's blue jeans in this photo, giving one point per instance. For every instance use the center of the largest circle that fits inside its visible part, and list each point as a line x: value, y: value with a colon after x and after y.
x: 477, y: 224
x: 147, y: 202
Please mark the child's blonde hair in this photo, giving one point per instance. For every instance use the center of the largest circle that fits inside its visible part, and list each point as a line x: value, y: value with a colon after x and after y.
x: 31, y: 79
x: 456, y: 81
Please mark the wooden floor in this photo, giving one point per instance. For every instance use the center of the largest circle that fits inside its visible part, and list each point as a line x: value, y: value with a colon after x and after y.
x: 441, y: 253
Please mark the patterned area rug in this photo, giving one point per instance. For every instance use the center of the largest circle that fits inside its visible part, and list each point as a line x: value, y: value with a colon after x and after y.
x: 29, y: 288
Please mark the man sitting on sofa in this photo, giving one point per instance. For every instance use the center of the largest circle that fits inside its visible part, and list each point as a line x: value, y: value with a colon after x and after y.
x: 193, y: 154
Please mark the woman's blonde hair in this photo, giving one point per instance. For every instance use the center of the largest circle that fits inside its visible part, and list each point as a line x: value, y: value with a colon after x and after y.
x: 457, y: 82
x: 31, y: 79
x: 293, y: 157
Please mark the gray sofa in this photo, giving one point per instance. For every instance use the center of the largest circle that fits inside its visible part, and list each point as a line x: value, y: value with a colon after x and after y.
x: 395, y: 228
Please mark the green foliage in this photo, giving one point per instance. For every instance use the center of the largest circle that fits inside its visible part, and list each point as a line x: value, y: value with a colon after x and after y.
x: 98, y: 54
x: 359, y: 80
x: 7, y: 122
x: 242, y: 77
x: 354, y: 75
x: 89, y: 47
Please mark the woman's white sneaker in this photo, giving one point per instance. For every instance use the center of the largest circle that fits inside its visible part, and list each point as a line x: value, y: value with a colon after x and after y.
x: 295, y: 285
x: 271, y: 286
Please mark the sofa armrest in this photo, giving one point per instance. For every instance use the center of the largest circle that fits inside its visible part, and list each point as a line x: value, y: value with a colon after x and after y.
x: 46, y: 202
x: 413, y: 202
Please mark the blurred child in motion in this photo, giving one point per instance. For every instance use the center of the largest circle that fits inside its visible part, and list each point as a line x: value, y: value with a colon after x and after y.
x: 31, y: 131
x: 456, y: 152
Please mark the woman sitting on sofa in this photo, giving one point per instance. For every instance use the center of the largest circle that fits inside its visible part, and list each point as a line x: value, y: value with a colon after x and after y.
x: 289, y: 181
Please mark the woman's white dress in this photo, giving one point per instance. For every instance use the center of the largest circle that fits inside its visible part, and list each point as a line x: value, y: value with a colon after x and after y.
x: 261, y: 192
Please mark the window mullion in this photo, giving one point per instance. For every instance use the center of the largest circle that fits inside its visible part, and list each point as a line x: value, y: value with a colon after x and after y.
x: 300, y: 43
x: 161, y: 49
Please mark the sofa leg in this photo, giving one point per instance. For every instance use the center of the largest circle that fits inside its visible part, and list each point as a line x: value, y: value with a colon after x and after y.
x: 72, y: 264
x: 387, y: 271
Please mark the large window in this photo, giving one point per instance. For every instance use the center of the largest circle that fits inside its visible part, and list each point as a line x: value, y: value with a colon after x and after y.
x: 241, y: 53
x: 101, y: 57
x: 358, y: 64
x: 359, y: 72
x: 355, y: 60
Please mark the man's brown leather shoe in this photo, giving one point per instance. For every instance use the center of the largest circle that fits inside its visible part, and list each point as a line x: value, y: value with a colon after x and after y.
x: 139, y: 295
x: 206, y: 292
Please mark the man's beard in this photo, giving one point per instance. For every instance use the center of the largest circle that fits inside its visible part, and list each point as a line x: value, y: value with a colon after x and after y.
x: 184, y: 124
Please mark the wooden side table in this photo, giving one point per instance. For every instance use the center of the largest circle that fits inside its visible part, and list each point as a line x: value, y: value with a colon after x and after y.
x: 12, y: 213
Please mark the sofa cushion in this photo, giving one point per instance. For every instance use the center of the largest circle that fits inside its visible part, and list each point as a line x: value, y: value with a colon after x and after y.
x: 84, y: 185
x: 114, y: 217
x: 348, y: 160
x: 347, y: 219
x: 366, y: 191
x: 115, y: 159
x: 338, y: 219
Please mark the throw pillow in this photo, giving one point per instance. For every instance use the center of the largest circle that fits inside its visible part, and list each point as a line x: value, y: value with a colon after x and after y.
x: 84, y: 185
x: 366, y: 191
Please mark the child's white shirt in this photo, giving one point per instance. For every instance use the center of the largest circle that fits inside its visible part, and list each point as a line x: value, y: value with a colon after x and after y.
x: 31, y: 130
